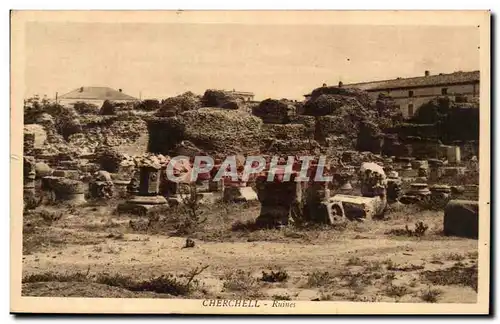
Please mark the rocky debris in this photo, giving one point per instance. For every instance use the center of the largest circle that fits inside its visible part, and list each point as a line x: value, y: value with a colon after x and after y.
x: 101, y: 185
x: 451, y: 120
x: 273, y: 111
x: 221, y: 99
x: 85, y: 108
x: 328, y: 126
x: 43, y: 169
x: 291, y: 146
x: 175, y: 105
x: 109, y: 158
x: 211, y: 130
x: 286, y: 132
x: 147, y: 105
x: 29, y: 143
x: 151, y: 161
x: 112, y: 107
x: 361, y: 96
x: 65, y: 190
x: 40, y: 135
x: 388, y: 111
x: 369, y: 137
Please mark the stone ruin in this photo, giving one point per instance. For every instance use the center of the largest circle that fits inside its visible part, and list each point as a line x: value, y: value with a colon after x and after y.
x: 335, y: 121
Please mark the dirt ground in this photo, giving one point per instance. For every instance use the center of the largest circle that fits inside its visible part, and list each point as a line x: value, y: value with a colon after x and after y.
x: 91, y: 251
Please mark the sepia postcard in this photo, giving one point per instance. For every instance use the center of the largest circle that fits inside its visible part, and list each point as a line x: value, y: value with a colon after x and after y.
x: 250, y: 162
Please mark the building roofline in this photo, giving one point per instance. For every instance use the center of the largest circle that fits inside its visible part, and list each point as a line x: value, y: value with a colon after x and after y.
x: 353, y: 85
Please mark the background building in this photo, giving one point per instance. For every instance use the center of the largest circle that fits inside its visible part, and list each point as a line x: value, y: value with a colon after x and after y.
x: 411, y: 93
x: 247, y: 96
x: 94, y: 95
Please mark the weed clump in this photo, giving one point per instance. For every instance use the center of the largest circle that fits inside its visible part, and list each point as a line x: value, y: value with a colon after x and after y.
x: 319, y: 279
x: 430, y: 295
x: 278, y: 276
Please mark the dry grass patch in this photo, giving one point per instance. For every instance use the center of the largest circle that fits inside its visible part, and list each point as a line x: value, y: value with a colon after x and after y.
x: 430, y: 295
x: 458, y: 274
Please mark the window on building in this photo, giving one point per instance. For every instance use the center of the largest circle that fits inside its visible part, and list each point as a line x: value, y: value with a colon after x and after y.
x: 410, y: 110
x: 410, y: 93
x: 444, y: 91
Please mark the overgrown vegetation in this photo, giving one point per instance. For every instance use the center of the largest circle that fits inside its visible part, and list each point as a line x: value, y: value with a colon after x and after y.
x: 278, y: 276
x: 458, y: 274
x: 418, y: 231
x: 319, y: 279
x: 165, y: 284
x: 430, y: 295
x: 241, y: 281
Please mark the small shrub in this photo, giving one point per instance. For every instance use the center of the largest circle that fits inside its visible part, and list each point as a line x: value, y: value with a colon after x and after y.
x: 354, y: 261
x: 373, y: 266
x: 411, y: 267
x: 84, y: 108
x: 247, y: 226
x: 165, y: 284
x: 454, y: 257
x: 191, y: 209
x: 430, y: 295
x: 281, y: 297
x: 31, y: 202
x: 116, y: 280
x: 458, y: 274
x: 241, y: 281
x: 279, y: 276
x: 319, y: 279
x: 50, y: 217
x: 413, y: 283
x: 389, y: 277
x: 57, y: 277
x: 396, y: 291
x: 473, y: 255
x: 419, y: 231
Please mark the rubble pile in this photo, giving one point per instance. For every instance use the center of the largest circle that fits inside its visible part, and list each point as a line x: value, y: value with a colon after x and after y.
x: 147, y: 105
x: 343, y: 93
x: 148, y: 160
x: 175, y: 105
x: 369, y: 137
x: 221, y: 99
x: 109, y: 158
x: 452, y: 120
x: 275, y: 111
x: 110, y: 107
x: 212, y: 130
x: 85, y: 108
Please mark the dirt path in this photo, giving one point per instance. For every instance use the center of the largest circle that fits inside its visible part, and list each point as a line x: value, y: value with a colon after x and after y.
x: 145, y: 256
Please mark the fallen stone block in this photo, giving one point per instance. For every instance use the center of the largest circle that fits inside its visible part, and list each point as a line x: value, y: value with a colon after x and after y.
x: 471, y: 192
x: 43, y: 170
x: 453, y: 171
x: 239, y: 194
x: 68, y: 174
x: 461, y: 218
x: 65, y: 190
x: 139, y: 205
x: 330, y: 212
x: 356, y: 207
x: 408, y: 173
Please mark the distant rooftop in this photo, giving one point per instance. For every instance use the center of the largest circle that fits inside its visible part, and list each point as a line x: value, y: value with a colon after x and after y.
x: 422, y: 81
x: 97, y: 93
x: 239, y: 92
x: 428, y: 80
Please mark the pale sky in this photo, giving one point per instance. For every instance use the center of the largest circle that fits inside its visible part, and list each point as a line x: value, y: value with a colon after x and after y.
x: 273, y: 61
